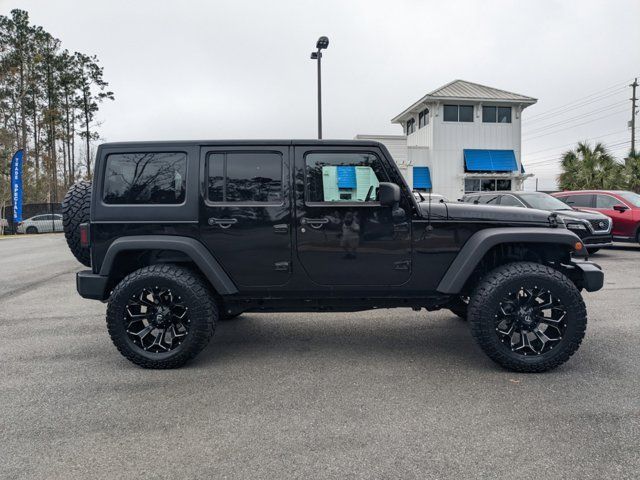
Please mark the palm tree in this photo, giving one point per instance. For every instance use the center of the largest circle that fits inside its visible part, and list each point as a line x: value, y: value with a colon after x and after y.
x: 590, y: 168
x: 632, y: 171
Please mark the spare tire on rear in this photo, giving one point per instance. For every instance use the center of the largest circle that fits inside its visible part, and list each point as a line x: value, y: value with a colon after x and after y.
x: 75, y: 210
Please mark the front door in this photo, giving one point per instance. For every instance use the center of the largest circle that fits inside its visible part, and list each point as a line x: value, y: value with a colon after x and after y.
x: 344, y: 236
x: 246, y: 215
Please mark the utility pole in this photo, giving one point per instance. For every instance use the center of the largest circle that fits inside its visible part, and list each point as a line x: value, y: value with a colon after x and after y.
x: 634, y: 85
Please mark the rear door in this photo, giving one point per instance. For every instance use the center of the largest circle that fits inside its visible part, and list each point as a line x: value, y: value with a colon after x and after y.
x: 245, y: 217
x: 344, y: 236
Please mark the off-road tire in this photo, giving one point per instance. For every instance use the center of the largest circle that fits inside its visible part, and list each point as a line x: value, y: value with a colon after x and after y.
x: 203, y: 314
x: 75, y: 210
x: 495, y: 285
x: 460, y: 308
x: 31, y: 230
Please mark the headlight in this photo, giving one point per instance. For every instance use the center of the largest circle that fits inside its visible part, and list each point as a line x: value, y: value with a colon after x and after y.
x: 576, y: 226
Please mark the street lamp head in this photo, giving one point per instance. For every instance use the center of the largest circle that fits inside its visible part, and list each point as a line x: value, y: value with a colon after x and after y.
x: 322, y: 43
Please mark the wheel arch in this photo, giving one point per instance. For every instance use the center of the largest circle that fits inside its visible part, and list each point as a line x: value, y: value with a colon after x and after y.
x: 490, y: 246
x: 124, y: 253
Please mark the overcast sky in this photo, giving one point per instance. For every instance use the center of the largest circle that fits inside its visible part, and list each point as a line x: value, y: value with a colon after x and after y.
x: 241, y: 69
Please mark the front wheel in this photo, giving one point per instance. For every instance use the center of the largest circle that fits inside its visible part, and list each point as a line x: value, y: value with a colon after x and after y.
x: 592, y: 250
x: 161, y: 316
x: 31, y: 230
x: 527, y: 317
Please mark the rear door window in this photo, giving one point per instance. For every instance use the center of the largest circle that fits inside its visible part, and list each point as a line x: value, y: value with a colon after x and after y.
x: 245, y: 177
x: 154, y: 178
x: 510, y: 201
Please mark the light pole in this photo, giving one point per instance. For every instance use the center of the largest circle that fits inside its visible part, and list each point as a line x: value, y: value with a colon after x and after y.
x: 321, y: 44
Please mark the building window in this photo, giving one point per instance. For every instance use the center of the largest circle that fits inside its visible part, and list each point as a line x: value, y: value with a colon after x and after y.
x: 496, y: 114
x: 154, y: 178
x: 411, y: 126
x: 423, y: 118
x: 250, y: 177
x: 458, y: 113
x: 487, y: 184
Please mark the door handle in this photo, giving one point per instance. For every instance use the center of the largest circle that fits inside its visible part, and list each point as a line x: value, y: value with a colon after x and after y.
x: 315, y: 222
x: 223, y: 222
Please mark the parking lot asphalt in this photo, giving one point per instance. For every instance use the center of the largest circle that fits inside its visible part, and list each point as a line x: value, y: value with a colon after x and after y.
x: 381, y: 394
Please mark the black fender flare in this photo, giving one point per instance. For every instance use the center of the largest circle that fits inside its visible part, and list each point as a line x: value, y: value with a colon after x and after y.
x: 191, y: 247
x: 481, y: 242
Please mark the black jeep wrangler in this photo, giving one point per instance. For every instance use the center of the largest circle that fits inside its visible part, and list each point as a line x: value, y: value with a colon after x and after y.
x: 179, y: 235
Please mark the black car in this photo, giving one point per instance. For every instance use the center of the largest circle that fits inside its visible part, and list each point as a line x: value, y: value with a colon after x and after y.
x: 180, y: 235
x: 594, y: 229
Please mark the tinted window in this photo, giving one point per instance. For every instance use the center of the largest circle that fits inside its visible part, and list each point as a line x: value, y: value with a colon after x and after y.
x: 488, y: 199
x: 489, y: 114
x: 606, y: 201
x: 450, y: 113
x: 578, y: 200
x: 411, y: 126
x: 343, y: 177
x: 487, y: 185
x: 466, y: 113
x: 145, y: 178
x: 423, y: 118
x: 503, y: 184
x: 471, y: 185
x: 251, y: 177
x: 504, y: 114
x: 510, y: 201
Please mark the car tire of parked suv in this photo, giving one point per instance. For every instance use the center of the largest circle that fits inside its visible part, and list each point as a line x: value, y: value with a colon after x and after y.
x: 75, y: 210
x: 527, y: 317
x: 161, y: 316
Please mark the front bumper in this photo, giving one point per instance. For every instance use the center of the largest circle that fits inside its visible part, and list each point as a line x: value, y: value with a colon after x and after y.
x: 590, y: 275
x: 91, y: 285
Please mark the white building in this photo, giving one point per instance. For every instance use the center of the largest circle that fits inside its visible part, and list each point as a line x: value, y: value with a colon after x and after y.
x: 459, y: 138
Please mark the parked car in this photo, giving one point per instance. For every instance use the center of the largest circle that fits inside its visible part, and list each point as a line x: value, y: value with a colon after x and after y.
x: 208, y: 230
x: 622, y: 206
x: 424, y: 197
x: 593, y: 228
x: 41, y: 224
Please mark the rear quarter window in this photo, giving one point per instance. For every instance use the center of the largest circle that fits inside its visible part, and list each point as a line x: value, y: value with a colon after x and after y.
x: 154, y: 178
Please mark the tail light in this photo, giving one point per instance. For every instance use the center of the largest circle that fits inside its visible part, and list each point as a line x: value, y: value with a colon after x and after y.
x: 85, y: 241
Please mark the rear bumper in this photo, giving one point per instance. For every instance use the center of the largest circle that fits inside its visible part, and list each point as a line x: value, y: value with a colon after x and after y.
x: 591, y: 275
x: 91, y: 285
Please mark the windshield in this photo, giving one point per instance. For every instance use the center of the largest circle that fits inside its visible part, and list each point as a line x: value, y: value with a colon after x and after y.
x: 542, y: 201
x: 631, y: 197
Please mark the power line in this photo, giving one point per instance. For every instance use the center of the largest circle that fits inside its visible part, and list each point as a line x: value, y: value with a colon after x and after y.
x: 573, y: 143
x: 580, y: 105
x: 581, y: 99
x: 578, y: 117
x: 576, y: 125
x: 611, y: 148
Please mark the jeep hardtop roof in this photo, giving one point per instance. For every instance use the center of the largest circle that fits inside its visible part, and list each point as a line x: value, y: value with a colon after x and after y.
x: 177, y: 143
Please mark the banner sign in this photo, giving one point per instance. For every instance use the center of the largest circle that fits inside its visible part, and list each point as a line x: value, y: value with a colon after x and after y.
x: 16, y: 185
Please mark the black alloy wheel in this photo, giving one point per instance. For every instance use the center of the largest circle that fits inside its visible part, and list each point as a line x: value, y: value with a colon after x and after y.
x: 161, y: 316
x: 527, y: 317
x: 530, y: 321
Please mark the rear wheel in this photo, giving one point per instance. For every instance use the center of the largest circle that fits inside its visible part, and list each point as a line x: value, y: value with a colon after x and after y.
x: 527, y: 317
x: 161, y: 316
x: 75, y: 210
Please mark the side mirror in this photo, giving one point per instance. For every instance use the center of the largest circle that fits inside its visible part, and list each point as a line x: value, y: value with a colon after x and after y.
x: 620, y: 208
x: 388, y: 194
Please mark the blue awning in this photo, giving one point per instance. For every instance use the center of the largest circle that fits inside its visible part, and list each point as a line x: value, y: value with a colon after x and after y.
x: 490, y: 160
x: 346, y: 177
x: 421, y: 177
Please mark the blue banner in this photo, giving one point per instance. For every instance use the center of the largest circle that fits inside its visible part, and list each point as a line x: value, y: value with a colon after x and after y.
x: 16, y: 185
